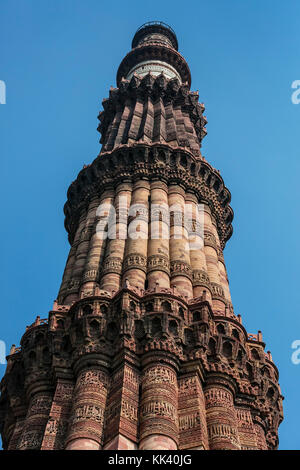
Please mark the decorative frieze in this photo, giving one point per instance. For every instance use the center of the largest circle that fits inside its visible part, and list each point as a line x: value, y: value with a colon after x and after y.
x: 35, y: 423
x: 158, y: 409
x: 158, y: 262
x: 112, y: 265
x: 135, y: 353
x: 135, y: 260
x: 200, y: 278
x: 217, y: 291
x: 180, y: 268
x: 89, y: 402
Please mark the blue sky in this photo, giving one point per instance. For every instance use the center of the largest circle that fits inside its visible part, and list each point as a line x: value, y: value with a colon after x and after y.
x: 59, y: 58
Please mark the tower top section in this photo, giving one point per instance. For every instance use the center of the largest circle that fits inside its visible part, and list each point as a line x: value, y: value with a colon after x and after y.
x: 154, y: 51
x: 155, y: 31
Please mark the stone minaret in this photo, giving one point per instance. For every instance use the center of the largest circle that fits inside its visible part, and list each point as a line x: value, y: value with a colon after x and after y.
x: 142, y: 348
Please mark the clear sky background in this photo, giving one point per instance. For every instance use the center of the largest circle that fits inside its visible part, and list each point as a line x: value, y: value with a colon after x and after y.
x: 58, y: 59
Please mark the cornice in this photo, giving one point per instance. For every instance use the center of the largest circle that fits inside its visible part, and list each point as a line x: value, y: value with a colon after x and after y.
x: 151, y: 161
x: 154, y: 51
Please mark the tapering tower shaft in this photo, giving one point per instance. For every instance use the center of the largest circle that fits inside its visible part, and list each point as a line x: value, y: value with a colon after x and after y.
x: 142, y: 348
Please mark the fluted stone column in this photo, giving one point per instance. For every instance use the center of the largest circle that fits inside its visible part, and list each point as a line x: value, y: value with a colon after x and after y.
x: 69, y: 288
x: 201, y: 281
x: 260, y: 437
x: 135, y: 256
x: 20, y: 415
x: 84, y: 244
x: 114, y: 253
x: 246, y: 429
x: 94, y: 260
x: 89, y: 402
x: 36, y: 419
x: 221, y: 418
x: 121, y: 428
x: 223, y: 276
x: 191, y: 412
x: 57, y: 424
x: 212, y: 261
x: 158, y: 409
x: 181, y: 272
x: 158, y: 263
x: 221, y: 263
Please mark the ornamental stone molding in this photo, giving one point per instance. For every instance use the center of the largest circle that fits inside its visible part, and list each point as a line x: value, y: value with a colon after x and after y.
x: 142, y: 348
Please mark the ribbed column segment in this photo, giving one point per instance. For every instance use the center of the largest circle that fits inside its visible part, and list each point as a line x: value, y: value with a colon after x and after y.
x: 191, y: 413
x: 69, y: 287
x: 170, y: 124
x: 260, y: 437
x: 121, y: 429
x: 246, y: 429
x: 86, y: 224
x: 114, y: 127
x: 221, y: 263
x: 180, y: 266
x: 158, y: 410
x: 159, y: 128
x: 36, y: 420
x: 211, y: 254
x: 152, y: 108
x: 146, y: 131
x: 57, y: 424
x: 133, y: 133
x: 114, y: 254
x: 135, y: 256
x: 123, y: 126
x: 94, y: 259
x: 221, y: 419
x: 158, y: 262
x: 89, y: 403
x: 201, y: 281
x: 18, y: 429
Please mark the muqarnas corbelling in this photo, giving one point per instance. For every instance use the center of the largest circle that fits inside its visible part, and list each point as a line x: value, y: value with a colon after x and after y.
x: 142, y: 348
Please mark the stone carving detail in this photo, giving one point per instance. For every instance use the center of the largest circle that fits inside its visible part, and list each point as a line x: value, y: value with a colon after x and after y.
x: 159, y: 408
x: 191, y: 411
x: 123, y: 402
x: 158, y: 411
x: 158, y: 262
x: 91, y: 275
x: 210, y: 239
x: 246, y: 430
x: 35, y: 423
x: 187, y: 420
x: 190, y: 422
x: 218, y: 396
x: 85, y: 412
x: 180, y: 268
x: 73, y: 284
x: 112, y: 265
x: 160, y: 374
x: 129, y: 411
x: 135, y: 260
x: 200, y: 277
x: 223, y: 431
x: 217, y: 291
x: 261, y: 438
x: 144, y: 360
x: 171, y: 93
x: 221, y: 419
x: 30, y: 440
x: 96, y: 379
x: 89, y: 401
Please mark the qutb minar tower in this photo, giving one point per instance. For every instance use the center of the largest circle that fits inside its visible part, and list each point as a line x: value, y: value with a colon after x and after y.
x: 142, y: 348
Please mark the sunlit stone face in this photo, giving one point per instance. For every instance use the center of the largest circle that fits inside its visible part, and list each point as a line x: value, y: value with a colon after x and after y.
x: 156, y: 67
